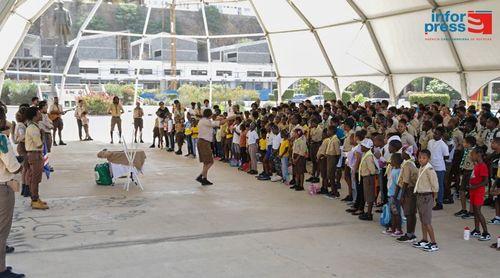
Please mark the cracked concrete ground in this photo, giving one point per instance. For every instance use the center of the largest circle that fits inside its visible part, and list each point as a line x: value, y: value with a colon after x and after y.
x: 239, y: 227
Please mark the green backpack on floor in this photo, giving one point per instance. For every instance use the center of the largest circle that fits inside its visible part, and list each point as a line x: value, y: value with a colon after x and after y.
x: 103, y: 175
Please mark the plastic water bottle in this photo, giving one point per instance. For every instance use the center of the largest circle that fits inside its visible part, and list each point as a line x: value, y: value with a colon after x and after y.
x: 466, y: 233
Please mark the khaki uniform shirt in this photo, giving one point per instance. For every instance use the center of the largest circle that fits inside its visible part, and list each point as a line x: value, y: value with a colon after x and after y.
x: 409, y: 174
x: 458, y: 138
x: 367, y: 166
x: 322, y: 148
x: 300, y: 146
x: 8, y: 164
x: 46, y: 124
x: 347, y: 142
x: 316, y: 134
x: 370, y: 130
x: 333, y: 147
x: 138, y: 113
x: 33, y: 138
x: 427, y: 180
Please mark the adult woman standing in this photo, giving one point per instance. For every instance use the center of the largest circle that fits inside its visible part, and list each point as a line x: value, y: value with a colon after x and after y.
x: 206, y: 127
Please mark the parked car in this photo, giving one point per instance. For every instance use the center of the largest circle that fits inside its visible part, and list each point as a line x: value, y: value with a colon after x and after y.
x: 317, y: 99
x: 298, y: 98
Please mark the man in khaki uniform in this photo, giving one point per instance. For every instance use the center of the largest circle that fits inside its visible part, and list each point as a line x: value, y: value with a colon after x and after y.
x: 9, y: 166
x: 34, y: 148
x: 116, y: 111
x: 367, y: 172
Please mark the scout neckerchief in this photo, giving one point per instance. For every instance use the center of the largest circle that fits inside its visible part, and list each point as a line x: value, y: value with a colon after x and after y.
x: 427, y: 166
x: 4, y: 143
x: 365, y: 156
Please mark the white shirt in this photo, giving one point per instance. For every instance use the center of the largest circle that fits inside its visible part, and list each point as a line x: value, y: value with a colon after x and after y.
x: 438, y: 150
x: 8, y: 164
x: 252, y: 137
x: 236, y: 135
x: 206, y: 129
x: 276, y: 141
x: 269, y: 139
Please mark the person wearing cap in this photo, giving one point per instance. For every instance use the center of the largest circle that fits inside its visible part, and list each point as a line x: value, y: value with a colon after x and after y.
x: 367, y: 172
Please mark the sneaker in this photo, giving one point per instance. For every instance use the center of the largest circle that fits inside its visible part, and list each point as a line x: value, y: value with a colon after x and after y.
x: 139, y: 141
x: 460, y: 213
x: 9, y: 249
x: 484, y: 237
x: 365, y: 217
x: 199, y: 178
x: 494, y: 221
x: 421, y: 244
x: 39, y: 205
x: 264, y: 178
x: 9, y: 274
x: 387, y: 232
x: 323, y: 191
x: 406, y: 238
x: 315, y: 180
x: 468, y: 215
x: 397, y: 234
x: 152, y: 146
x: 330, y: 195
x: 299, y: 188
x: 437, y: 207
x: 475, y: 233
x: 431, y: 247
x: 61, y: 143
x: 448, y: 201
x: 205, y: 182
x: 351, y: 210
x: 275, y: 178
x: 311, y: 179
x: 252, y: 172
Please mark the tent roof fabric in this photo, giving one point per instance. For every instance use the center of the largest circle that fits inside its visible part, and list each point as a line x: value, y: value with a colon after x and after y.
x: 341, y: 41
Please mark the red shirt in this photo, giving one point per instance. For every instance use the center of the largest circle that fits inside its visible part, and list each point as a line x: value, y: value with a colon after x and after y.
x: 480, y: 171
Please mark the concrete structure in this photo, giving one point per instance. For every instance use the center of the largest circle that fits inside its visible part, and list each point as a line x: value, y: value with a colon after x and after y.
x: 252, y: 52
x: 240, y: 227
x: 160, y: 49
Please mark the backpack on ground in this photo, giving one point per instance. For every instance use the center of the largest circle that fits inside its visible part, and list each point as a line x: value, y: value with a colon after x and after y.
x: 103, y: 174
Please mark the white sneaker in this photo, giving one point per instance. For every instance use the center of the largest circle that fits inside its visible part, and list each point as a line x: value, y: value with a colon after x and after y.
x: 431, y: 247
x: 420, y: 245
x: 495, y: 221
x: 276, y: 178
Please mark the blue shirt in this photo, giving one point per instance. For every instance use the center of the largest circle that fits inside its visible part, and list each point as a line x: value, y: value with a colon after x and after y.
x: 394, y: 183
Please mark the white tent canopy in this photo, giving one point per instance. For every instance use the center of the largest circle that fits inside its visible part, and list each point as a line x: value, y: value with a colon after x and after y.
x: 339, y: 41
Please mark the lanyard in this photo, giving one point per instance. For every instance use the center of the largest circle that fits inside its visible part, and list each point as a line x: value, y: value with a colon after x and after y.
x: 427, y: 166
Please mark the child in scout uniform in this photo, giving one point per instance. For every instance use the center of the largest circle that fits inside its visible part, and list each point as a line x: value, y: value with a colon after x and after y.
x: 322, y: 161
x: 332, y: 159
x: 406, y: 181
x: 466, y: 167
x: 299, y: 156
x: 426, y: 187
x: 348, y: 146
x: 367, y: 172
x: 315, y: 136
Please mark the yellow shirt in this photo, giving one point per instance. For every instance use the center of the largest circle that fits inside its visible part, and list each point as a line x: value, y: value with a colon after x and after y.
x: 194, y: 130
x: 262, y: 144
x: 188, y: 131
x: 116, y: 110
x: 333, y: 147
x: 33, y: 138
x: 284, y: 147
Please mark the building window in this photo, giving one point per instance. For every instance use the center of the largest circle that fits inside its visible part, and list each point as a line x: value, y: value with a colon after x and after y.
x: 233, y: 55
x: 269, y: 74
x: 254, y: 73
x: 118, y: 71
x: 157, y: 53
x: 27, y: 52
x: 145, y: 72
x: 169, y: 72
x: 89, y: 70
x: 199, y: 72
x: 224, y: 73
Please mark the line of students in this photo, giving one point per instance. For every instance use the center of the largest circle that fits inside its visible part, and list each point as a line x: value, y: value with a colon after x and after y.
x: 373, y: 148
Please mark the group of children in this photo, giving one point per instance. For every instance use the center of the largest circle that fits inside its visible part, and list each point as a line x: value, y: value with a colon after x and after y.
x: 405, y: 160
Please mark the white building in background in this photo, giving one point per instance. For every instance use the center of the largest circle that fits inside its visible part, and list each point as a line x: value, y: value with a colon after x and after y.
x: 224, y: 8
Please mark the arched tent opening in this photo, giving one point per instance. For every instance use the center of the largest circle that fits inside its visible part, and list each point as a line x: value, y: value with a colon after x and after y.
x: 488, y: 93
x: 362, y: 91
x: 428, y: 87
x: 308, y: 88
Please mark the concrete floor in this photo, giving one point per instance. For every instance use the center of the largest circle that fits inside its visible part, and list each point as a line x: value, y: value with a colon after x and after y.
x: 239, y: 227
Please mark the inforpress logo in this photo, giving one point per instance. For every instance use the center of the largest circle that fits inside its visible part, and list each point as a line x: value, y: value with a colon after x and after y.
x: 480, y: 22
x: 472, y: 23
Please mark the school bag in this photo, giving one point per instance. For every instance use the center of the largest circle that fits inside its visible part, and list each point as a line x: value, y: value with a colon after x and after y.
x: 103, y: 174
x: 385, y: 216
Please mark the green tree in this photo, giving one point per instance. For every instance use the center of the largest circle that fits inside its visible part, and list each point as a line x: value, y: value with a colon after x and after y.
x: 97, y: 23
x: 309, y: 86
x: 131, y: 17
x: 437, y: 86
x: 214, y: 19
x: 359, y: 98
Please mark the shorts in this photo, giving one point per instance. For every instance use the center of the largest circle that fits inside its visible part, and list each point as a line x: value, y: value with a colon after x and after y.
x: 313, y: 150
x: 35, y: 170
x: 323, y: 169
x: 410, y: 203
x: 58, y: 124
x: 156, y: 132
x: 425, y: 203
x: 369, y: 188
x: 236, y: 148
x: 179, y: 138
x: 116, y: 121
x: 205, y: 151
x: 464, y: 182
x: 300, y: 167
x: 477, y: 196
x: 138, y: 123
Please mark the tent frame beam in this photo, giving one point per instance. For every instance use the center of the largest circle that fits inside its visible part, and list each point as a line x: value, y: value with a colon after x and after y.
x: 321, y: 47
x: 209, y: 49
x: 141, y: 54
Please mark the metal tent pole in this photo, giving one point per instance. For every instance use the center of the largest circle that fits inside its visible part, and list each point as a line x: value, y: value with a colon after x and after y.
x: 141, y: 50
x: 209, y: 50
